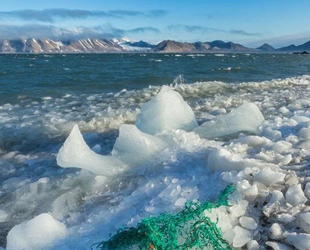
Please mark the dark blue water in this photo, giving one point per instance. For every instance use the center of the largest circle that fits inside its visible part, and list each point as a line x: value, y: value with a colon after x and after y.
x: 55, y: 75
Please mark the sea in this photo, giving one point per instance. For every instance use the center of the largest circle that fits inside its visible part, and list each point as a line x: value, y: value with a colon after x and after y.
x: 42, y: 96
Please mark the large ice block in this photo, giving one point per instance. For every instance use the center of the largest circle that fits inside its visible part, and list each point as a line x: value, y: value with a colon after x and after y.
x: 36, y: 234
x: 246, y: 117
x: 134, y: 147
x: 76, y: 154
x: 165, y: 112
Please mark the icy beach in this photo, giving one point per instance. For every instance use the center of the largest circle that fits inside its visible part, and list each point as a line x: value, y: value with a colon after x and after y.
x: 76, y: 168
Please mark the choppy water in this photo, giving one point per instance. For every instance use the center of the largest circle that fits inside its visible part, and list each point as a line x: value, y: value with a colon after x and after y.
x: 54, y: 75
x: 43, y: 96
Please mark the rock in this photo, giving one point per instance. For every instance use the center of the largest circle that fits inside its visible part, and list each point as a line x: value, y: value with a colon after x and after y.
x: 295, y: 196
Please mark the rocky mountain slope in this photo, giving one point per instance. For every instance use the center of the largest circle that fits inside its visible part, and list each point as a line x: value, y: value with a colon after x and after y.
x: 266, y: 47
x: 291, y: 48
x: 169, y: 46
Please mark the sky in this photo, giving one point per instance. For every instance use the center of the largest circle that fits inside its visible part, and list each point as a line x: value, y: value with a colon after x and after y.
x: 249, y: 22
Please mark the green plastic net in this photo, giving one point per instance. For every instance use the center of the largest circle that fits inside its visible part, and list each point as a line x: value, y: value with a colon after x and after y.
x: 188, y: 229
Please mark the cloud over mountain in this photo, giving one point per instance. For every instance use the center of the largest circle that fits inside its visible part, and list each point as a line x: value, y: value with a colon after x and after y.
x: 244, y: 33
x: 50, y: 31
x: 51, y: 15
x: 204, y: 29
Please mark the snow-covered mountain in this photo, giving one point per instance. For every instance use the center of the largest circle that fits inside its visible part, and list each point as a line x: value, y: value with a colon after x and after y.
x: 87, y: 45
x: 128, y: 45
x: 96, y: 45
x: 32, y: 45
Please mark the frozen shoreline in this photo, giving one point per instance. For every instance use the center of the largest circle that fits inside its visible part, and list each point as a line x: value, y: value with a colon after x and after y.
x: 92, y: 207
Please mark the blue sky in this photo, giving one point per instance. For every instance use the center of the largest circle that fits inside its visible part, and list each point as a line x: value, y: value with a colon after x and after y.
x: 278, y: 22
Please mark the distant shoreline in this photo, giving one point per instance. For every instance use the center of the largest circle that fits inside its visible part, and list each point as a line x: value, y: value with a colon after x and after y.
x: 146, y: 52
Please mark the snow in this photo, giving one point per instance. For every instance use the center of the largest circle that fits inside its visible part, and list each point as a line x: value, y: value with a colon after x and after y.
x: 246, y: 117
x: 166, y: 112
x: 36, y: 234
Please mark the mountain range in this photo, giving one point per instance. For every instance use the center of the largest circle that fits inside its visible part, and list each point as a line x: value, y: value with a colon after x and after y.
x: 96, y: 45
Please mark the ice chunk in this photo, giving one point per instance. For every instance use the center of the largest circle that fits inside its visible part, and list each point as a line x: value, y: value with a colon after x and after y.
x: 268, y: 177
x: 295, y: 196
x: 246, y: 117
x: 282, y: 147
x: 134, y: 147
x: 276, y: 231
x: 304, y: 133
x: 285, y: 218
x: 304, y: 221
x: 167, y: 111
x: 299, y: 241
x: 6, y: 168
x: 36, y: 234
x: 254, y: 141
x: 252, y: 245
x: 180, y: 202
x: 278, y: 246
x: 239, y: 209
x: 3, y: 216
x: 252, y: 191
x: 76, y: 154
x: 247, y: 222
x: 285, y: 111
x: 307, y: 190
x: 223, y: 160
x: 275, y: 203
x: 242, y: 236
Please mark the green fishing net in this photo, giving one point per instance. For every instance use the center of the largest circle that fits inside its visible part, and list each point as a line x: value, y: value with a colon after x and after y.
x: 188, y: 229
